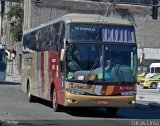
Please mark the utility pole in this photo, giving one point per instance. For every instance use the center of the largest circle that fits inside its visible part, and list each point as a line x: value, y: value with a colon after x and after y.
x: 155, y: 7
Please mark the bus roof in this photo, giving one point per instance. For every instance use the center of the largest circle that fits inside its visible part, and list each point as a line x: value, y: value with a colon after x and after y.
x: 155, y: 65
x: 93, y: 18
x: 84, y: 18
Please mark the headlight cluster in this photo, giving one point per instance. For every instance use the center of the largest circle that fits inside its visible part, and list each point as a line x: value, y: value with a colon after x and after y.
x: 73, y: 91
x: 129, y: 93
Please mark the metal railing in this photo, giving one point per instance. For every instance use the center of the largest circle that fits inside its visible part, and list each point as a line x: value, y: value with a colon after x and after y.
x: 134, y: 2
x: 137, y: 2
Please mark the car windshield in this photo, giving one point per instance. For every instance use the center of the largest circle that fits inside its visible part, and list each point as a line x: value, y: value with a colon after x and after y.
x: 155, y: 76
x: 101, y: 63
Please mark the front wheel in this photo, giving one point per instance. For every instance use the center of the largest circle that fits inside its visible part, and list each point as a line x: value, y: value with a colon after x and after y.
x: 111, y: 112
x: 153, y: 85
x: 56, y: 107
x: 30, y: 97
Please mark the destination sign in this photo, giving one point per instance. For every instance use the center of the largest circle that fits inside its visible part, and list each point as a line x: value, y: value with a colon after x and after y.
x: 103, y: 33
x: 89, y: 29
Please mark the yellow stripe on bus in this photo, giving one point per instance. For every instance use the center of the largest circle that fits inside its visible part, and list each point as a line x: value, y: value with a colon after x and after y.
x: 109, y: 90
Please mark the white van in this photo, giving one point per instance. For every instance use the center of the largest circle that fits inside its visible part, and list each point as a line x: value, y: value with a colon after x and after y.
x: 154, y: 68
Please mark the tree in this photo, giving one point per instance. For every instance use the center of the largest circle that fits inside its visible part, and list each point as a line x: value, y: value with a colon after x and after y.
x: 15, y: 15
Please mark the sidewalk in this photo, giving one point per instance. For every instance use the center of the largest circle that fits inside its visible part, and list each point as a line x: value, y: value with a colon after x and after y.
x: 13, y: 78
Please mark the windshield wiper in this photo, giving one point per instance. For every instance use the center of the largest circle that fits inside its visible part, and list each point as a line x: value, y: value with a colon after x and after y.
x: 119, y: 76
x: 92, y: 68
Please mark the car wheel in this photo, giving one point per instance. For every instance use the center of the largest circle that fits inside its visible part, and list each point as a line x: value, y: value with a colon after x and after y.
x: 56, y: 107
x: 154, y: 85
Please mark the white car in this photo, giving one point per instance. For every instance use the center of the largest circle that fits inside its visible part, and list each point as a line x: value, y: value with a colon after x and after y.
x: 158, y: 86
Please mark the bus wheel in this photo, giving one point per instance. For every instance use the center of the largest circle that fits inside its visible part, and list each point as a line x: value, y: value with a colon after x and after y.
x: 56, y: 107
x: 154, y: 85
x: 30, y: 97
x: 112, y: 112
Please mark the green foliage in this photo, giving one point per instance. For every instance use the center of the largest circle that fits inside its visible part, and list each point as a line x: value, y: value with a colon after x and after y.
x: 16, y: 11
x: 16, y: 31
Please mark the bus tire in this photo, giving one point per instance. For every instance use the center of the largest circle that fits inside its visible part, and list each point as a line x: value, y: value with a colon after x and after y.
x: 30, y: 97
x: 112, y: 112
x: 56, y: 107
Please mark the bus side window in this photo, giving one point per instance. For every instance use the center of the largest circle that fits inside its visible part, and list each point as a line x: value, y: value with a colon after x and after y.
x: 57, y: 35
x: 46, y: 40
x: 52, y: 37
x: 42, y: 40
x: 26, y: 42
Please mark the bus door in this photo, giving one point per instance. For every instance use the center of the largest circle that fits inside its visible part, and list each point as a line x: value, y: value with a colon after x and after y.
x: 60, y: 70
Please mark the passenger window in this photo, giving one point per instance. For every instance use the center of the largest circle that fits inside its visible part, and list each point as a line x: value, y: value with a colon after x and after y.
x: 157, y: 70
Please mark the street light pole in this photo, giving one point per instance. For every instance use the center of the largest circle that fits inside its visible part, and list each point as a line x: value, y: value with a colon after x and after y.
x: 112, y: 4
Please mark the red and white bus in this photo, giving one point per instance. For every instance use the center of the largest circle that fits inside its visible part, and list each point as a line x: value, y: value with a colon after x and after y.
x: 81, y: 60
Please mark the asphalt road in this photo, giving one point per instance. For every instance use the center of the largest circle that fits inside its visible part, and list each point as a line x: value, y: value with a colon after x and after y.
x: 148, y: 95
x: 15, y: 109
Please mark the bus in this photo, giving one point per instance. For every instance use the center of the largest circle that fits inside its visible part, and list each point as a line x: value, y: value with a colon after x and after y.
x: 2, y: 63
x: 81, y: 60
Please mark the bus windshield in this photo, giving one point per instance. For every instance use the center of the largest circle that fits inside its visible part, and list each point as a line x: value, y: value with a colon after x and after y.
x: 101, y: 62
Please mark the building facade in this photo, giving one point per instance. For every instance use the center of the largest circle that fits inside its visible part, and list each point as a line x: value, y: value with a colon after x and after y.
x: 147, y: 30
x: 37, y: 12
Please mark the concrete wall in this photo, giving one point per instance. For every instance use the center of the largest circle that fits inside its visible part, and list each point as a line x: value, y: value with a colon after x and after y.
x: 147, y: 29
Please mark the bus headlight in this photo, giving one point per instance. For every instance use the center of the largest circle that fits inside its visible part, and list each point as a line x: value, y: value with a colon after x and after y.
x: 73, y: 91
x: 129, y: 93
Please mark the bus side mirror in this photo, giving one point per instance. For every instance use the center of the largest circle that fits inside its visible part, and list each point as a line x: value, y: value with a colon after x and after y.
x: 63, y: 55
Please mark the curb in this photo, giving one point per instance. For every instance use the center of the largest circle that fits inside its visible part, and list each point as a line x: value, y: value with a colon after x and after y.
x: 9, y: 83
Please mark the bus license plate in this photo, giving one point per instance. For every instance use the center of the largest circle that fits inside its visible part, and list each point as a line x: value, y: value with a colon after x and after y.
x: 103, y: 102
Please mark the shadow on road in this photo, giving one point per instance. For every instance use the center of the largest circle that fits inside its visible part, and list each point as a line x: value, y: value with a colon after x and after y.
x: 141, y: 111
x: 9, y: 83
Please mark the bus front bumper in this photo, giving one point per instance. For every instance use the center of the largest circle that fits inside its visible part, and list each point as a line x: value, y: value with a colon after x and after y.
x: 72, y: 100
